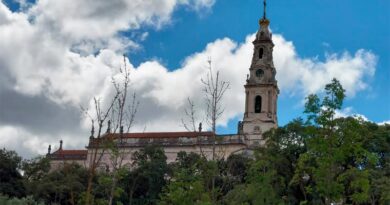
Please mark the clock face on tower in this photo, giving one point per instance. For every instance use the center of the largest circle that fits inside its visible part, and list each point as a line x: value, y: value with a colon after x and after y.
x: 259, y: 73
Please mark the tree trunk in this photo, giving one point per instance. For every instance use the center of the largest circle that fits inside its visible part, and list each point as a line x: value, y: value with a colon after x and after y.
x: 132, y: 191
x: 89, y: 188
x: 71, y: 197
x: 112, y: 191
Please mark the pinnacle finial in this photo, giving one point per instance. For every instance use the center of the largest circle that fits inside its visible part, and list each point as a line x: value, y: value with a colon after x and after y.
x: 49, y: 150
x: 92, y: 130
x: 265, y: 9
x: 121, y: 130
x: 108, y: 126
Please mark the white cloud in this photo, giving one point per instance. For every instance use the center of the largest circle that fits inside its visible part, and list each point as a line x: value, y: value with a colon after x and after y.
x: 50, y: 49
x: 345, y: 112
x: 199, y: 5
x: 29, y: 145
x: 384, y: 122
x: 349, y: 112
x: 85, y: 22
x: 296, y: 74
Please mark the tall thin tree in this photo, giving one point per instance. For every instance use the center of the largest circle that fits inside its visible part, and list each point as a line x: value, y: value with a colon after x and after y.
x: 214, y: 90
x: 117, y: 114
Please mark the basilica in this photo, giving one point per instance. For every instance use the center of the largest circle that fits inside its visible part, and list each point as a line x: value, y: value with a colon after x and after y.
x: 261, y: 93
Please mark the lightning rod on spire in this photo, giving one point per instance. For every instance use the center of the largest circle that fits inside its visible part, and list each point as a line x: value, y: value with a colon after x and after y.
x: 265, y: 9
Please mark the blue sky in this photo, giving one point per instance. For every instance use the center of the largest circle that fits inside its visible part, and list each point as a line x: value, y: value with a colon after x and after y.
x: 58, y: 55
x: 315, y: 26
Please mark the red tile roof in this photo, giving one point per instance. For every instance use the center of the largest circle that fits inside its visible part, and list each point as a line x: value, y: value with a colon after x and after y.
x: 69, y: 154
x: 160, y: 134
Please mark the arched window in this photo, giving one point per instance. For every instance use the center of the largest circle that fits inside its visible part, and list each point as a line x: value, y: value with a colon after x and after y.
x: 258, y: 104
x: 261, y: 52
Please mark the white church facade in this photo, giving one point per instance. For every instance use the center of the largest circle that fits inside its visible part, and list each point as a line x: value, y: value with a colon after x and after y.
x: 261, y: 94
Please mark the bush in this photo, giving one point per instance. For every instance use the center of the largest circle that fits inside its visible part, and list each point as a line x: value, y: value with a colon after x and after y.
x: 5, y: 200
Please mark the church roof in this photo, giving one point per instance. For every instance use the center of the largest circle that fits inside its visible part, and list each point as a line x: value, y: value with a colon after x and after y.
x: 61, y: 154
x: 160, y: 135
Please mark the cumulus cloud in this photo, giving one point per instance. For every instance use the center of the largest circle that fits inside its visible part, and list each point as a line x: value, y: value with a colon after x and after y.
x: 63, y: 53
x: 350, y: 112
x: 87, y: 22
x: 29, y: 145
x: 297, y: 75
x: 53, y: 45
x: 387, y: 122
x: 199, y: 5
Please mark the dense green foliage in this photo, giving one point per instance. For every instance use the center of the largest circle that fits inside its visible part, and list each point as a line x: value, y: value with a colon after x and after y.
x: 5, y: 200
x: 11, y: 182
x: 318, y: 159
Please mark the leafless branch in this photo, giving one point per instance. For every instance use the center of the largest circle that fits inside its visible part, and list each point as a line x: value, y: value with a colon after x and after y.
x: 119, y: 114
x: 189, y: 122
x: 214, y: 90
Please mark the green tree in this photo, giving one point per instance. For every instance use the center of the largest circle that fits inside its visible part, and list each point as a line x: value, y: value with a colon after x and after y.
x: 61, y: 186
x: 378, y: 143
x: 11, y: 181
x: 237, y: 166
x: 335, y: 161
x: 268, y: 178
x: 145, y: 181
x: 187, y: 188
x: 5, y: 200
x: 36, y: 168
x: 191, y: 181
x: 263, y: 184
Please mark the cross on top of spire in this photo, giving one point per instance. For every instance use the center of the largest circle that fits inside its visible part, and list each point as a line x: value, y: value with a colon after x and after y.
x: 264, y: 22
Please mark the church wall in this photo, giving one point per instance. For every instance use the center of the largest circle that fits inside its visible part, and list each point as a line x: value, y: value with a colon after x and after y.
x: 57, y: 164
x: 222, y: 151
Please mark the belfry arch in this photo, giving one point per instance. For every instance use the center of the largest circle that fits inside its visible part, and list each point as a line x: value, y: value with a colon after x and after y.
x: 261, y: 53
x: 258, y: 104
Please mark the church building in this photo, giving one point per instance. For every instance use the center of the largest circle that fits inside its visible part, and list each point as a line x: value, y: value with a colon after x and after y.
x: 261, y: 94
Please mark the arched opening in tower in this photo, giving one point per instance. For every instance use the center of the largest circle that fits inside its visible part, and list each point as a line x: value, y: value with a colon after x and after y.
x: 258, y: 104
x: 261, y: 52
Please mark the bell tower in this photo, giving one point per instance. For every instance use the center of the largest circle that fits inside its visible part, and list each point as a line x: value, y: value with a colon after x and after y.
x: 261, y: 87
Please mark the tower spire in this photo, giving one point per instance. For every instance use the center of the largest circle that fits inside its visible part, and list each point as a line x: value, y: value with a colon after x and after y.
x: 264, y: 22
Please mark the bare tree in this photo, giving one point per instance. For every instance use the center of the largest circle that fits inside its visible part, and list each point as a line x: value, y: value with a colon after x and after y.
x: 117, y: 153
x: 189, y: 123
x: 120, y: 115
x: 95, y: 145
x: 214, y: 89
x: 123, y: 116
